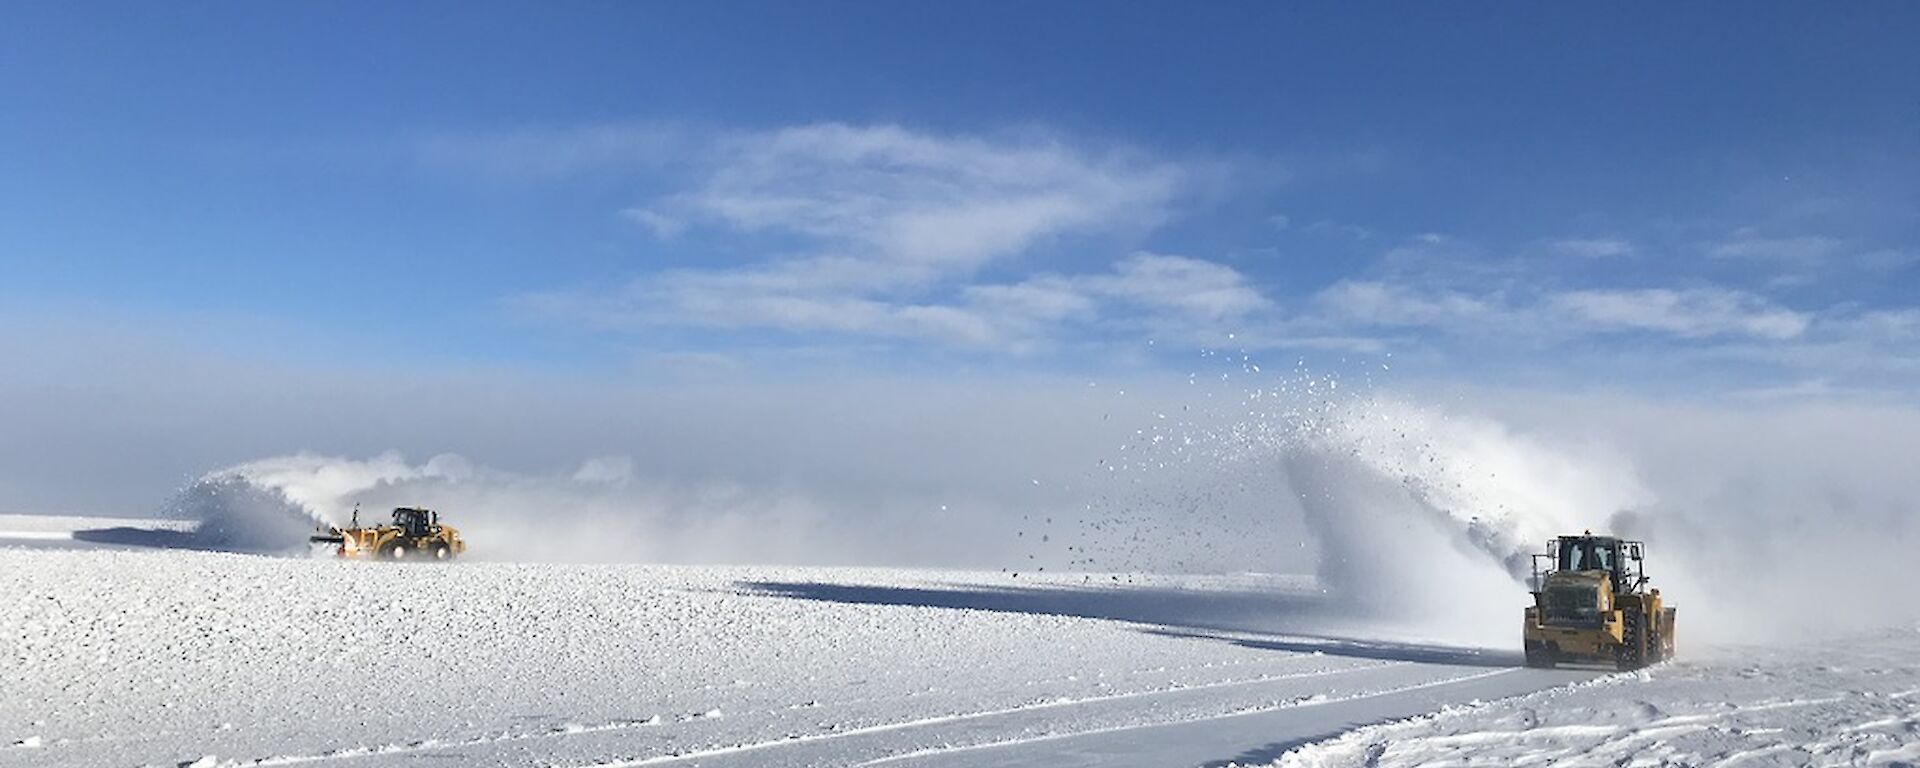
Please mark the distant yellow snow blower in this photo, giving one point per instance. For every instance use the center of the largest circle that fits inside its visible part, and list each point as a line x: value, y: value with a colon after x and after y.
x: 414, y: 533
x: 1591, y: 605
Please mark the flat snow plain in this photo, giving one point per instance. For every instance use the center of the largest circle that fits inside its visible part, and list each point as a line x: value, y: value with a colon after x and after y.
x: 114, y: 655
x: 140, y: 656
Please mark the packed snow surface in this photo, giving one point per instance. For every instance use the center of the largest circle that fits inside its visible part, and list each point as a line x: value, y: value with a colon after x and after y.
x: 116, y: 652
x: 172, y: 657
x: 1847, y: 702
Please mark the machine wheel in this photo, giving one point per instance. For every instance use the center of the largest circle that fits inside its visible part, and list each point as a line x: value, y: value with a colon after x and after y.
x: 393, y: 550
x: 442, y: 552
x: 1538, y: 657
x: 1632, y: 653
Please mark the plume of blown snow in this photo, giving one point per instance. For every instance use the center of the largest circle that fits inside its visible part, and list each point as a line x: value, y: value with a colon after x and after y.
x: 1497, y: 491
x: 273, y: 504
x: 1423, y: 520
x: 1431, y: 518
x: 598, y: 512
x: 1761, y: 523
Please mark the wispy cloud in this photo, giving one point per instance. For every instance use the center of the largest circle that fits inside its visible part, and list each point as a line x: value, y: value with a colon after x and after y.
x: 661, y: 225
x: 835, y: 296
x: 884, y: 232
x: 1328, y: 227
x: 886, y: 193
x: 1591, y: 248
x: 1890, y: 259
x: 1889, y: 324
x: 1191, y: 287
x: 1797, y: 251
x: 1375, y: 303
x: 1691, y: 313
x: 881, y: 234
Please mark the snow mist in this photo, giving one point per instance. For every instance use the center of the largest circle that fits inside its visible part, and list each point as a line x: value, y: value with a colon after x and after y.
x: 1432, y: 518
x: 597, y: 513
x: 1423, y: 518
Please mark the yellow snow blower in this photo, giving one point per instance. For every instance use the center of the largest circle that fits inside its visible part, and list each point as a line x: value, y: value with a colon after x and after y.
x: 1592, y: 605
x: 414, y: 533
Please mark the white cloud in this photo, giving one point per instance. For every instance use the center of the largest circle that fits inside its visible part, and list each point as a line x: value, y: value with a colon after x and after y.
x: 1387, y: 304
x: 1889, y: 260
x: 1353, y: 231
x: 882, y: 232
x: 1801, y: 251
x: 1893, y: 323
x: 661, y: 225
x: 824, y: 296
x: 1192, y: 287
x: 1694, y: 313
x: 1592, y: 248
x: 1809, y: 259
x: 1820, y: 388
x: 1690, y: 313
x: 889, y: 194
x: 605, y: 470
x: 740, y: 302
x: 1042, y: 298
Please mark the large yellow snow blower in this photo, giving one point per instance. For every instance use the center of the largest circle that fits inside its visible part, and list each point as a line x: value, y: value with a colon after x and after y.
x: 1592, y: 605
x: 414, y: 533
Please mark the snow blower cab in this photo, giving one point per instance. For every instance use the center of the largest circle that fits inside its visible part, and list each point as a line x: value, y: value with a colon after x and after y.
x: 1592, y: 605
x: 414, y: 533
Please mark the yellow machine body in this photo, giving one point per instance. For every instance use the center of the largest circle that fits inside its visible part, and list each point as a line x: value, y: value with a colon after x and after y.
x: 414, y: 534
x: 1591, y: 606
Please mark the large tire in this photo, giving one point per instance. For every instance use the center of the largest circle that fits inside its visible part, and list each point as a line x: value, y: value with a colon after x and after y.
x: 441, y: 551
x: 1632, y: 653
x: 394, y: 550
x: 1539, y: 657
x: 1656, y: 645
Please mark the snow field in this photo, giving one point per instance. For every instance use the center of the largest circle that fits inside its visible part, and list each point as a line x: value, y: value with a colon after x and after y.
x: 1849, y: 702
x: 131, y: 657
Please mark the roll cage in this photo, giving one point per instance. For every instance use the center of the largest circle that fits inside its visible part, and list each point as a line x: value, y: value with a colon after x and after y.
x: 1622, y: 560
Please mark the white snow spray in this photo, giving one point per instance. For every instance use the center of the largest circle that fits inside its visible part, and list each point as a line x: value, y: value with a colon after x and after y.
x: 597, y: 513
x: 1420, y: 518
x: 273, y: 504
x: 1424, y: 517
x: 1432, y: 517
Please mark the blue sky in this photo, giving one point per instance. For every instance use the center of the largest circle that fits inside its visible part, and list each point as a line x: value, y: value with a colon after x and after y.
x: 1720, y: 197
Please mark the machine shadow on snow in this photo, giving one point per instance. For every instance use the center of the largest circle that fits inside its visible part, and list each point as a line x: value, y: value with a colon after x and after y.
x: 1303, y: 642
x: 157, y: 538
x: 1283, y: 622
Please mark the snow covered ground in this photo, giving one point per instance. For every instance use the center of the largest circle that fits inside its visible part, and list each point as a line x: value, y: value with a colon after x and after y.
x: 118, y: 652
x: 1848, y: 702
x: 125, y: 656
